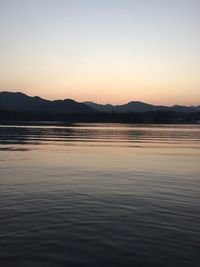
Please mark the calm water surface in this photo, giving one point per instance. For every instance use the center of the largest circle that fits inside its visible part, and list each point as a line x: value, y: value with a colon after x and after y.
x: 99, y: 195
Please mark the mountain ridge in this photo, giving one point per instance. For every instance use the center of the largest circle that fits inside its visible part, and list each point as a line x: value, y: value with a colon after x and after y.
x: 18, y: 101
x: 138, y: 106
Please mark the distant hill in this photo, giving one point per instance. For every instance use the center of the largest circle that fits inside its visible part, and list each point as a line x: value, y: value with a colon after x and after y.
x: 100, y: 107
x: 137, y: 106
x: 17, y: 101
x: 24, y: 103
x: 178, y: 108
x: 21, y: 107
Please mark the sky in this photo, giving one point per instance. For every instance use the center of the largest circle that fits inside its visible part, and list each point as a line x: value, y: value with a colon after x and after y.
x: 106, y: 51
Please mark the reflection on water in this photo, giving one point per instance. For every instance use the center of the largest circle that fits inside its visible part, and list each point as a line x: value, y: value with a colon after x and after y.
x: 99, y: 195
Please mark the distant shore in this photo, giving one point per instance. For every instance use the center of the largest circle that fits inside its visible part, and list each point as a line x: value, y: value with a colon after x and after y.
x: 148, y: 117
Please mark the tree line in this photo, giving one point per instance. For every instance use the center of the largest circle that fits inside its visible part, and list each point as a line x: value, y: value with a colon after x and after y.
x: 104, y: 117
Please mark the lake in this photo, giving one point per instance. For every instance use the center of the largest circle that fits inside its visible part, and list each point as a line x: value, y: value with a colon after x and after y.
x: 99, y: 195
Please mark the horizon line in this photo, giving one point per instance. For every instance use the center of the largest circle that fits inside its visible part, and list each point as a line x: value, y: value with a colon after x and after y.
x: 100, y: 103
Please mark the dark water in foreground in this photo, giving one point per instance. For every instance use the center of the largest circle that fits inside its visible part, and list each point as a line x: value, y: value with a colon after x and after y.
x: 99, y: 195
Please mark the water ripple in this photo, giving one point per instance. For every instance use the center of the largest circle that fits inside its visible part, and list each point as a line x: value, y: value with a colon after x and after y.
x: 99, y: 195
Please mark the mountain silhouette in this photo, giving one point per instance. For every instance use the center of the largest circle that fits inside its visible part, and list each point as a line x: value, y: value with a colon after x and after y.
x: 137, y: 106
x: 22, y: 102
x: 17, y: 101
x: 100, y: 107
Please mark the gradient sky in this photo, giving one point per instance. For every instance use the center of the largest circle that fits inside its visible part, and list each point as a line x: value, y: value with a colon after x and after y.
x: 102, y: 50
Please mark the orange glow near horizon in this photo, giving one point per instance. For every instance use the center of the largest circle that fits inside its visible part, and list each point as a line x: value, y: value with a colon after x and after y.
x: 102, y: 51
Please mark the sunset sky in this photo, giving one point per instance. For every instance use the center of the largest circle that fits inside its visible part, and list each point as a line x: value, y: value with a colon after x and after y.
x: 102, y: 50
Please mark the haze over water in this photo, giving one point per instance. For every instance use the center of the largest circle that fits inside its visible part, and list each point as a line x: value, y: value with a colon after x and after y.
x: 99, y: 195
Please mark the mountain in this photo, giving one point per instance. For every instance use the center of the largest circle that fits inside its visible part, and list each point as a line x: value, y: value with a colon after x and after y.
x: 101, y: 107
x: 137, y: 106
x: 178, y: 108
x: 17, y: 101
